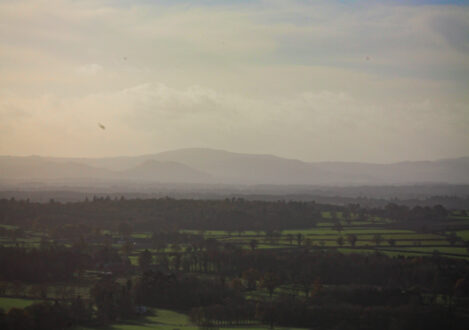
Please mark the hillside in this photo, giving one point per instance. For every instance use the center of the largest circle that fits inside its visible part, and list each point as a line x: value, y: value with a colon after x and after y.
x: 218, y: 166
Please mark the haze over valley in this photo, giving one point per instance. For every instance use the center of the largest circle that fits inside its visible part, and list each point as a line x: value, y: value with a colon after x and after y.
x: 208, y: 166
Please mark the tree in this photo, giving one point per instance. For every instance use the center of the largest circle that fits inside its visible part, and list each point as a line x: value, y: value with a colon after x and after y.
x: 253, y: 244
x: 18, y: 288
x: 127, y: 247
x: 251, y: 276
x: 377, y: 239
x: 352, y: 239
x: 299, y: 239
x: 112, y: 300
x: 440, y: 212
x: 79, y: 311
x: 38, y: 291
x: 348, y: 218
x: 124, y: 229
x: 162, y: 261
x: 452, y: 238
x: 317, y: 286
x: 338, y: 226
x: 145, y: 259
x: 270, y: 281
x: 269, y: 236
x: 17, y: 319
x: 340, y: 240
x: 236, y: 284
x: 304, y: 280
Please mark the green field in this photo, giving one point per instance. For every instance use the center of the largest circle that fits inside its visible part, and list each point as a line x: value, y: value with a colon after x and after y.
x: 323, y: 236
x: 8, y: 227
x: 449, y: 249
x: 464, y: 234
x: 170, y: 320
x: 133, y: 260
x: 361, y: 231
x: 7, y: 303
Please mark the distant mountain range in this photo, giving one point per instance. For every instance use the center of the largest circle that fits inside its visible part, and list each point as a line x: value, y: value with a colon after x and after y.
x: 210, y: 166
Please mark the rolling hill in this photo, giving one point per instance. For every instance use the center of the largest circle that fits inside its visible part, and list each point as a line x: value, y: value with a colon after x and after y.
x: 218, y: 166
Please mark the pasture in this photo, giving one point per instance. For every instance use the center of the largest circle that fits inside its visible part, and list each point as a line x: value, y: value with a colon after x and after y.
x: 170, y: 320
x: 375, y: 235
x: 7, y: 303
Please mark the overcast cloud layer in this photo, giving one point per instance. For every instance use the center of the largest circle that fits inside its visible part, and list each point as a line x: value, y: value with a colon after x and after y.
x: 316, y: 80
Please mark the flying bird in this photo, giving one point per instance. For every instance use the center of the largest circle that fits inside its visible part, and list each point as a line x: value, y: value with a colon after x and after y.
x: 101, y: 126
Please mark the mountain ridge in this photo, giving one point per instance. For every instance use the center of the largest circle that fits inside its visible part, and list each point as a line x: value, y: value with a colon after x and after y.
x: 203, y: 165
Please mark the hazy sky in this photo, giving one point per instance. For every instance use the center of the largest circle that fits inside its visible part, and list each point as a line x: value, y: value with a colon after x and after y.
x: 376, y: 81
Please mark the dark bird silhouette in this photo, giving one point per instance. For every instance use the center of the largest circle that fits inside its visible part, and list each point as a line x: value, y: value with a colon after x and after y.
x: 101, y: 126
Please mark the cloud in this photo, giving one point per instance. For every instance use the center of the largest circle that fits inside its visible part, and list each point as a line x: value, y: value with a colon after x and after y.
x: 89, y: 69
x: 311, y: 125
x: 285, y: 77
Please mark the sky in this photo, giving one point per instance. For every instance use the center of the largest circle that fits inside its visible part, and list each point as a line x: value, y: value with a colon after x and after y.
x: 370, y: 81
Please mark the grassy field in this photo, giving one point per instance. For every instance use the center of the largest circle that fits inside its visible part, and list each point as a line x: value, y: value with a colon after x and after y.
x: 464, y: 234
x: 164, y: 319
x: 7, y: 303
x: 9, y: 227
x: 133, y: 260
x: 171, y: 320
x: 449, y: 250
x: 406, y: 242
x: 356, y: 231
x: 388, y: 253
x: 323, y: 236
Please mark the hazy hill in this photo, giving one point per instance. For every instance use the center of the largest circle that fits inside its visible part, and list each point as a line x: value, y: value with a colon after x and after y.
x: 151, y: 170
x: 40, y: 168
x: 268, y: 169
x: 37, y: 169
x: 218, y: 166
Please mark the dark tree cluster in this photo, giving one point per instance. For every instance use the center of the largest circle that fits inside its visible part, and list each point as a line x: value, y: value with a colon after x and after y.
x: 47, y: 316
x: 162, y: 214
x: 39, y: 265
x: 180, y: 292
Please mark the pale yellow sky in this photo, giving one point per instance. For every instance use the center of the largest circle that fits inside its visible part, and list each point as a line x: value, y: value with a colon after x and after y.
x: 314, y: 80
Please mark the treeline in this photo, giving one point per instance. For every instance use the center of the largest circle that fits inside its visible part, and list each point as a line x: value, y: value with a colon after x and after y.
x: 52, y: 262
x: 308, y: 289
x: 168, y: 214
x: 415, y: 214
x: 109, y: 302
x: 39, y: 265
x: 47, y: 316
x: 450, y: 196
x: 182, y: 292
x: 291, y: 311
x: 300, y: 288
x: 301, y: 266
x: 317, y: 290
